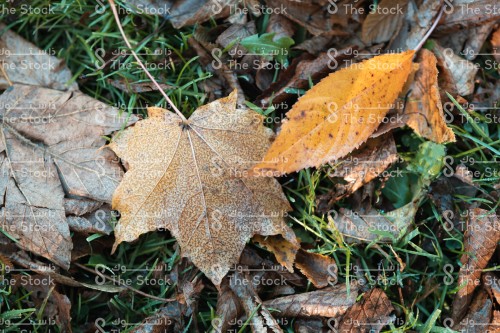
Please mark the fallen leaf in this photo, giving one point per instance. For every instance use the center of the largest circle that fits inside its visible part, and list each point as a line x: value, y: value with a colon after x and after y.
x: 136, y: 87
x: 228, y: 308
x: 166, y: 319
x: 416, y: 25
x: 424, y: 108
x: 25, y: 63
x: 494, y: 326
x: 456, y: 73
x: 478, y: 315
x: 481, y: 237
x: 186, y: 177
x: 328, y: 302
x: 495, y: 44
x: 313, y: 16
x: 50, y: 145
x: 361, y: 166
x: 327, y: 124
x: 384, y: 22
x: 371, y: 314
x: 461, y: 14
x: 283, y: 250
x: 320, y: 269
x: 185, y: 12
x: 260, y: 319
x: 43, y: 293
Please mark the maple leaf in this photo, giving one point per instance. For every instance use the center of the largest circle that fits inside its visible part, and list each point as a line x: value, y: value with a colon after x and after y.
x: 186, y: 176
x: 337, y: 114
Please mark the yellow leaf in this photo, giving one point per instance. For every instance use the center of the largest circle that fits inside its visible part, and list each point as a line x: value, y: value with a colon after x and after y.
x: 337, y: 114
x: 424, y: 108
x: 185, y: 176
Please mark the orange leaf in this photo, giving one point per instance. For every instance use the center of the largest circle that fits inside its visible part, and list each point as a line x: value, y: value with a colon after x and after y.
x: 337, y: 114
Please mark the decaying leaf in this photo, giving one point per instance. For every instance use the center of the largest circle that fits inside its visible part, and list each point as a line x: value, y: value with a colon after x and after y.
x: 371, y: 314
x: 481, y: 237
x: 284, y: 251
x: 321, y: 270
x: 56, y: 306
x: 228, y: 308
x: 182, y: 13
x: 385, y: 21
x: 25, y: 63
x: 326, y: 124
x: 186, y: 176
x: 328, y: 302
x: 259, y: 316
x: 166, y: 319
x: 362, y: 166
x: 359, y: 227
x: 462, y: 14
x: 456, y: 73
x: 50, y: 145
x: 424, y: 107
x: 478, y: 315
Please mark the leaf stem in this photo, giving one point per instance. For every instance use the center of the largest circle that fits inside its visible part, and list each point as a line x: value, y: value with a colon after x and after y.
x: 169, y: 101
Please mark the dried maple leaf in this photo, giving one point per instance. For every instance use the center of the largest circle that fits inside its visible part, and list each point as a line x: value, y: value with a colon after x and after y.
x: 481, y: 238
x: 424, y: 108
x: 185, y: 176
x: 337, y: 114
x: 371, y: 314
x: 49, y: 146
x: 283, y: 251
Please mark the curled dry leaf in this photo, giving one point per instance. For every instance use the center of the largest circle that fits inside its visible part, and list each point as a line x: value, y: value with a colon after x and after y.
x: 283, y: 250
x: 56, y: 306
x: 50, y: 145
x: 25, y: 63
x: 383, y: 23
x: 259, y: 316
x: 362, y: 166
x: 321, y: 270
x: 228, y: 308
x: 326, y: 124
x: 186, y: 176
x: 478, y: 315
x: 371, y: 314
x: 456, y: 73
x: 424, y: 108
x: 481, y: 237
x: 359, y: 227
x: 462, y: 14
x: 328, y: 302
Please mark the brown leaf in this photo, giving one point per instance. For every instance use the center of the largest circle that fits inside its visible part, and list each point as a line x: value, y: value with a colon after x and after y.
x: 384, y: 21
x: 462, y: 14
x: 25, y: 63
x: 42, y: 288
x: 328, y: 302
x: 190, y: 172
x: 228, y: 308
x: 456, y: 74
x: 481, y: 237
x: 260, y: 318
x: 478, y: 315
x: 185, y: 12
x: 326, y: 124
x: 136, y: 87
x: 362, y: 166
x: 315, y: 16
x: 417, y: 24
x: 283, y: 250
x: 166, y: 319
x: 424, y: 108
x: 360, y: 227
x: 50, y: 145
x: 495, y: 44
x: 321, y: 270
x: 371, y: 314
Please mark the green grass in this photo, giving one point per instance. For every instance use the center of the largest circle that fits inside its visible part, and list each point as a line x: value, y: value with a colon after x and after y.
x: 75, y: 31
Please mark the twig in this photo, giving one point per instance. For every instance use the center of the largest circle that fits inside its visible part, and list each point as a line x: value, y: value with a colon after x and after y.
x: 169, y: 101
